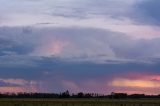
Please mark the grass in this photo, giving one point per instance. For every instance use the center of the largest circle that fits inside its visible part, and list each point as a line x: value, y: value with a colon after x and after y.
x: 77, y: 102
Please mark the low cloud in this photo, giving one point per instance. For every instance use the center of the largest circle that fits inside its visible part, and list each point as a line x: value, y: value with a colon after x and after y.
x: 135, y: 83
x: 18, y: 85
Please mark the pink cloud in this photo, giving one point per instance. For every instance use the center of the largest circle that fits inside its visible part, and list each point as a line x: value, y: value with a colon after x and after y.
x: 12, y: 89
x: 52, y: 47
x: 57, y: 47
x: 134, y: 30
x: 17, y: 89
x: 147, y: 83
x: 143, y: 76
x: 21, y: 85
x: 128, y: 90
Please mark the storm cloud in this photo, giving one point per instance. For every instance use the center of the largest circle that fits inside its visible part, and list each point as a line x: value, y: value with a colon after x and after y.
x: 82, y: 45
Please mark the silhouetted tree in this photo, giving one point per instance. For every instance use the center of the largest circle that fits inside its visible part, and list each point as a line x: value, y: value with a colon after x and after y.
x: 118, y: 95
x: 80, y: 95
x: 65, y: 94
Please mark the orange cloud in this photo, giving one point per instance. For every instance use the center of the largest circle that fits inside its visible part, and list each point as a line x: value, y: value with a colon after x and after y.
x: 135, y: 83
x: 17, y: 89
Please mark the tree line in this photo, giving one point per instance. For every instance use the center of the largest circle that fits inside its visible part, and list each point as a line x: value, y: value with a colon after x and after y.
x: 67, y: 94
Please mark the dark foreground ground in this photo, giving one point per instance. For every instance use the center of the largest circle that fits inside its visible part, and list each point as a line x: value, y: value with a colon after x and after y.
x: 77, y: 102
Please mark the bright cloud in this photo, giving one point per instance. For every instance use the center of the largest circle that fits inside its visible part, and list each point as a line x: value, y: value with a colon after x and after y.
x: 135, y: 83
x: 52, y: 48
x: 103, y: 14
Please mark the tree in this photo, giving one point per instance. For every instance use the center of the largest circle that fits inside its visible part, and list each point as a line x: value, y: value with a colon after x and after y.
x: 80, y: 95
x: 65, y: 94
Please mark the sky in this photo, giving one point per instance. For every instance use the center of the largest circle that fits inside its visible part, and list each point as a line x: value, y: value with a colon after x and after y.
x: 99, y: 46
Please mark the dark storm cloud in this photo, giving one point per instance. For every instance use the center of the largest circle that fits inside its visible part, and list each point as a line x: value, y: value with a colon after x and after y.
x: 94, y: 54
x: 147, y: 12
x: 54, y: 71
x: 56, y: 45
x: 81, y: 43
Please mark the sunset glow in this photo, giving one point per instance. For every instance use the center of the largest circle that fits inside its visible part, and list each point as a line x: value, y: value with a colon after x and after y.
x: 98, y: 46
x: 135, y: 83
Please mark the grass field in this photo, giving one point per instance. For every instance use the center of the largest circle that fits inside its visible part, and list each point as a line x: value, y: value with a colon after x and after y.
x: 77, y: 102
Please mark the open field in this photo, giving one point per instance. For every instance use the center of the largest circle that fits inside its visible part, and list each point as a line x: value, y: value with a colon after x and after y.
x: 77, y: 102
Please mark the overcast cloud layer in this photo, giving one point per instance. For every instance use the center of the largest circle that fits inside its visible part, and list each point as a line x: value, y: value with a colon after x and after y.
x: 79, y: 45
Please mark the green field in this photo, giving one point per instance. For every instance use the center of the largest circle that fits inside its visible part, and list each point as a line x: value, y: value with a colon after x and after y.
x: 77, y: 102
